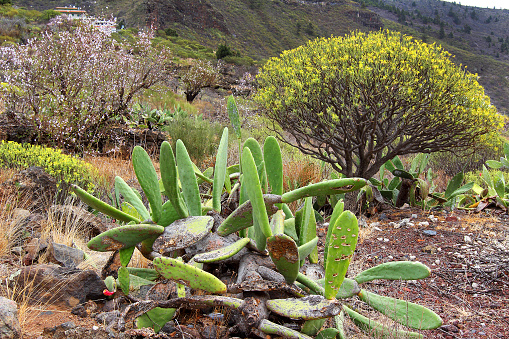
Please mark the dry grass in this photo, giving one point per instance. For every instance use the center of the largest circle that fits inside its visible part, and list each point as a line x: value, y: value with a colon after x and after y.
x: 66, y: 228
x: 11, y: 232
x: 299, y: 173
x: 109, y: 167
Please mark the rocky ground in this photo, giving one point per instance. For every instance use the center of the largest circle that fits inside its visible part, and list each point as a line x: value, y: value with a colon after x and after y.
x: 62, y: 297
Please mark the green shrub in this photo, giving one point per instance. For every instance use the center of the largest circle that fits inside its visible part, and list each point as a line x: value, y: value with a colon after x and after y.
x: 61, y: 166
x: 201, y: 137
x: 360, y: 100
x: 171, y: 32
x: 240, y: 61
x: 223, y: 51
x: 49, y: 14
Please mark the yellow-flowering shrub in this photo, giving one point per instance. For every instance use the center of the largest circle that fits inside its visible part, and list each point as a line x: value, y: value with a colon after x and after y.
x: 360, y: 100
x: 61, y: 166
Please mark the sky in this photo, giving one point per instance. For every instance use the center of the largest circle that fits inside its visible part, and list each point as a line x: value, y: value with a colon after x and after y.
x: 484, y: 3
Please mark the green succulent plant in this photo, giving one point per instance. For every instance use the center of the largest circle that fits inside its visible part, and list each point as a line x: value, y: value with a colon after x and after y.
x: 265, y: 224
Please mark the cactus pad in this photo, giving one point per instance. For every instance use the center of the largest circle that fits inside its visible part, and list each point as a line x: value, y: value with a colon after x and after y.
x: 147, y: 177
x: 395, y: 270
x: 124, y: 237
x: 307, y: 308
x: 183, y: 233
x: 222, y: 253
x: 242, y: 217
x: 188, y: 275
x: 342, y: 244
x: 402, y: 311
x: 269, y: 327
x: 329, y: 187
x: 101, y: 206
x: 285, y: 255
x: 190, y: 190
x: 156, y: 318
x: 377, y: 329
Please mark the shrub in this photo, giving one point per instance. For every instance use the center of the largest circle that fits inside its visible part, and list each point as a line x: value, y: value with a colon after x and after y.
x: 73, y: 82
x: 49, y: 14
x: 171, y: 32
x: 200, y: 75
x: 360, y: 100
x: 61, y: 166
x: 223, y: 51
x: 201, y: 137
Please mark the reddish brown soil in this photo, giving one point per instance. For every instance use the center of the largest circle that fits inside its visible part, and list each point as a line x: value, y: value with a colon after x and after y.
x: 468, y: 286
x: 469, y: 259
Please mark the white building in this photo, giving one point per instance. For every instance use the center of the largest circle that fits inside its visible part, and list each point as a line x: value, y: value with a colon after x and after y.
x: 105, y: 26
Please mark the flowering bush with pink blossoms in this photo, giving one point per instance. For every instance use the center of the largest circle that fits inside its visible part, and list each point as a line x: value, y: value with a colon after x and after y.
x: 72, y: 82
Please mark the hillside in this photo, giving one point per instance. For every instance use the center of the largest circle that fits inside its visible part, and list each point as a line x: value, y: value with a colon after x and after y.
x: 260, y: 29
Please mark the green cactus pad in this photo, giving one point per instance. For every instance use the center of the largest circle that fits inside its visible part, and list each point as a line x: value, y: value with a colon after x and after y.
x: 136, y: 282
x: 307, y: 228
x: 348, y: 288
x: 342, y: 244
x: 338, y: 209
x: 311, y: 327
x: 168, y: 214
x: 285, y: 255
x: 269, y: 327
x: 277, y: 224
x: 233, y: 114
x: 123, y: 237
x: 169, y: 178
x: 156, y: 318
x: 308, y: 283
x: 395, y: 270
x: 307, y: 248
x: 401, y: 311
x: 290, y: 229
x: 339, y: 321
x: 222, y: 253
x: 188, y: 275
x: 183, y: 233
x: 242, y: 217
x: 252, y: 184
x: 190, y: 189
x: 329, y: 187
x: 123, y: 279
x: 328, y: 333
x: 376, y: 329
x: 125, y: 255
x: 101, y: 206
x: 147, y: 177
x: 256, y: 152
x: 110, y: 283
x: 129, y: 209
x: 307, y: 308
x: 220, y: 171
x: 273, y: 164
x: 145, y: 273
x: 127, y: 192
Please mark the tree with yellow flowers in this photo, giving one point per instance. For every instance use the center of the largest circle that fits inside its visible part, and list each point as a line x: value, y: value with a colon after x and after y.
x: 360, y: 100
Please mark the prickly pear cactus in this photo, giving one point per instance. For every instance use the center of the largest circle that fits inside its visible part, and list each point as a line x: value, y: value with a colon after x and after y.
x: 342, y: 244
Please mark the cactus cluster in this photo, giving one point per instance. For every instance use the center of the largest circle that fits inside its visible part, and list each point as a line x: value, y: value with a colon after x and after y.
x: 167, y: 229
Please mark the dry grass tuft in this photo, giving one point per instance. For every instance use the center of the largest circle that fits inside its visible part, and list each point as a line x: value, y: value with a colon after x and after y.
x: 109, y: 167
x: 299, y: 173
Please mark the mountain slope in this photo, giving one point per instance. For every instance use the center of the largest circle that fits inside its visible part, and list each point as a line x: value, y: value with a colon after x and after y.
x: 479, y: 38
